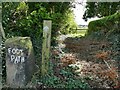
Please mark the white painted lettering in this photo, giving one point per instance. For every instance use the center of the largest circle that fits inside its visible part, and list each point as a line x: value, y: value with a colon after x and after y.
x: 15, y: 61
x: 12, y: 58
x: 21, y: 51
x: 17, y: 55
x: 14, y: 51
x: 22, y: 59
x: 17, y: 51
x: 9, y: 50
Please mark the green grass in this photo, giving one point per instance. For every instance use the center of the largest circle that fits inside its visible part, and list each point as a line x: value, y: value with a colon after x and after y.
x: 79, y: 33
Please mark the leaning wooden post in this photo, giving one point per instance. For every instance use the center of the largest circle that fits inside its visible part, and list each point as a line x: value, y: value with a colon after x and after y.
x: 46, y: 46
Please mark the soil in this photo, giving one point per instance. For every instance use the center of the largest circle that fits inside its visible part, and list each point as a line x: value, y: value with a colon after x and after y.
x: 94, y: 60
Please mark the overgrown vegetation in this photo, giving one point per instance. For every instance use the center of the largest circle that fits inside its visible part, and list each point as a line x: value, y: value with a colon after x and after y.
x: 105, y: 25
x: 57, y: 77
x: 100, y: 43
x: 100, y: 9
x: 3, y: 61
x: 26, y: 19
x: 107, y: 28
x: 98, y: 52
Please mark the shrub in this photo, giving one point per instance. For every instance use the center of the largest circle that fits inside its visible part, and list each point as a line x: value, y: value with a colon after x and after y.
x: 106, y: 24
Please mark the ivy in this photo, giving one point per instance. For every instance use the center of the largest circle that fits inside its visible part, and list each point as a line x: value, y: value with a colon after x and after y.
x: 69, y: 81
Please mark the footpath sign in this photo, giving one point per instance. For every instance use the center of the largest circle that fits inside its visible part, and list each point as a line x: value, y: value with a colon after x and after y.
x: 20, y: 62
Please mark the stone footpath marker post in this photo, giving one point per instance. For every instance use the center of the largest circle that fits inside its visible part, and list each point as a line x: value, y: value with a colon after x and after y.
x: 20, y: 62
x: 46, y: 46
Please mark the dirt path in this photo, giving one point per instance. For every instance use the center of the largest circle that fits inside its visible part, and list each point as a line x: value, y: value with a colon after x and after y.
x: 94, y: 60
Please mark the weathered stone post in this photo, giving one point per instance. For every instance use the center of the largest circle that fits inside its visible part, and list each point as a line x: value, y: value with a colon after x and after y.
x: 46, y: 46
x: 20, y: 62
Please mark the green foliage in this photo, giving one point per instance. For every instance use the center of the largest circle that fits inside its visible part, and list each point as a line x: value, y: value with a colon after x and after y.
x: 69, y: 80
x: 18, y: 21
x: 107, y: 28
x: 100, y: 9
x: 26, y: 19
x: 3, y: 54
x: 68, y: 23
x: 105, y: 25
x: 66, y: 78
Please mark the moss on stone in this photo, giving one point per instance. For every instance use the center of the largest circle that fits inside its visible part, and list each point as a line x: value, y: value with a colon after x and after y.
x: 22, y: 41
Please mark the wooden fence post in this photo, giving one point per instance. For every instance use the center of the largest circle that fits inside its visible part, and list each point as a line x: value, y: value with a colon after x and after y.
x: 46, y: 46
